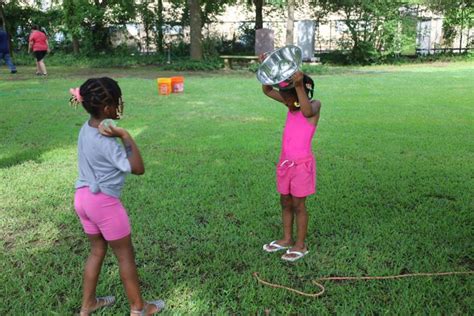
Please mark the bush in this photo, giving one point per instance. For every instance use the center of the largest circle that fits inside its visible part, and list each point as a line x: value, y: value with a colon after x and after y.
x: 121, y: 60
x: 306, y: 68
x: 194, y: 65
x: 346, y: 58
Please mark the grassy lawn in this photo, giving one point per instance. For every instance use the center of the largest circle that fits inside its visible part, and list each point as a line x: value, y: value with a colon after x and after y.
x: 395, y: 152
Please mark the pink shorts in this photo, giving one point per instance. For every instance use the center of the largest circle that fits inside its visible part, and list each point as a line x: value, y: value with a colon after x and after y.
x: 296, y: 177
x: 101, y: 214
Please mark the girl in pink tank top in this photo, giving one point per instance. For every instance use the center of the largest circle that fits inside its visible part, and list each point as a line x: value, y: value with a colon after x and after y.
x: 296, y: 169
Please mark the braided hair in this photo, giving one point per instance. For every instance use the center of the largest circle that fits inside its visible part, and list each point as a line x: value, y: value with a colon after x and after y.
x: 97, y: 93
x: 308, y: 85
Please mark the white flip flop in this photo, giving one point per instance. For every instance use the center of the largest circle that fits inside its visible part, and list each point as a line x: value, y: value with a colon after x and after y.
x: 108, y: 301
x: 159, y: 304
x: 274, y: 247
x: 298, y: 256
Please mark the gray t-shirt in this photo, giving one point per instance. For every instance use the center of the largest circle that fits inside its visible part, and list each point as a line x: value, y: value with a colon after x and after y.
x: 102, y: 161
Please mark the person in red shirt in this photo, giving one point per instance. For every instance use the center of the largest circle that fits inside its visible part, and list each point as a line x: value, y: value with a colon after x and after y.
x: 38, y: 44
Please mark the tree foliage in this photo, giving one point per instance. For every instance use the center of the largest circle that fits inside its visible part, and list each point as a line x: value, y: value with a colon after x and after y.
x: 196, y: 14
x: 88, y: 20
x: 458, y: 15
x: 372, y: 28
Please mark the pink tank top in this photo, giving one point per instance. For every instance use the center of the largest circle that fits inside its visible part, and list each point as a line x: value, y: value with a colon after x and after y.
x: 297, y: 137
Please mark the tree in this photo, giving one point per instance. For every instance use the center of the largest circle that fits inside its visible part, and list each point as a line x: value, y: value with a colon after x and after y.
x: 195, y: 23
x: 196, y: 14
x: 73, y: 15
x: 147, y: 16
x: 290, y: 22
x: 2, y: 14
x: 290, y: 6
x: 88, y: 21
x: 19, y: 17
x: 159, y: 26
x: 371, y: 25
x: 458, y: 15
x: 258, y: 12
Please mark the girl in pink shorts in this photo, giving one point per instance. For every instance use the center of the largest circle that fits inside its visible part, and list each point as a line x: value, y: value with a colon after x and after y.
x: 103, y: 164
x: 296, y: 169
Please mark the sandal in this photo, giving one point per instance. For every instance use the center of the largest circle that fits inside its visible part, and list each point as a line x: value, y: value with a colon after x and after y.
x: 299, y: 255
x: 160, y: 305
x: 107, y: 301
x: 274, y: 247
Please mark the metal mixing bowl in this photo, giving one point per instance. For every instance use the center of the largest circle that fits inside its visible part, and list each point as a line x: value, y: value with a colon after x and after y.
x: 278, y: 67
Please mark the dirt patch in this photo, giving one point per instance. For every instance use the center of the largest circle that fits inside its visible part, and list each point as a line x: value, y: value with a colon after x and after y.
x: 149, y: 72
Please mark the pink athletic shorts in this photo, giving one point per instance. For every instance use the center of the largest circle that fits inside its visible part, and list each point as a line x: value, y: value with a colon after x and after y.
x: 296, y: 177
x: 101, y: 214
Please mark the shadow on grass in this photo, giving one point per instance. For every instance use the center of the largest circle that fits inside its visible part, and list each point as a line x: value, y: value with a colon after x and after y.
x: 43, y: 254
x: 21, y: 157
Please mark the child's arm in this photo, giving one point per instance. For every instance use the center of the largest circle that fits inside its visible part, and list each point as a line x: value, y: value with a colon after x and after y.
x: 131, y: 148
x: 268, y: 90
x: 316, y: 105
x: 308, y: 108
x: 272, y: 93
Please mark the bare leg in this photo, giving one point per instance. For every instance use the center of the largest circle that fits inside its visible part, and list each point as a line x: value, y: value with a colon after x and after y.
x: 42, y: 67
x: 287, y: 216
x: 123, y: 250
x: 38, y: 69
x: 92, y: 271
x: 299, y: 208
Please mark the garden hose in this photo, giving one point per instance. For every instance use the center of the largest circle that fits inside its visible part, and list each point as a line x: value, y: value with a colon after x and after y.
x: 322, y: 288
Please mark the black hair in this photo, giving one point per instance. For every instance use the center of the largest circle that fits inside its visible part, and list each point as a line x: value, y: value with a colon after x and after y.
x: 308, y: 85
x: 97, y: 93
x: 35, y: 27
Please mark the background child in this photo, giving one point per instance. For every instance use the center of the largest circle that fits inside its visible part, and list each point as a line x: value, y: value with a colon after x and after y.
x: 103, y: 165
x: 296, y: 170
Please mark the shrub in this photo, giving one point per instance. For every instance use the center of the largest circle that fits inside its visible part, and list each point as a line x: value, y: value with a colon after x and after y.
x: 122, y: 60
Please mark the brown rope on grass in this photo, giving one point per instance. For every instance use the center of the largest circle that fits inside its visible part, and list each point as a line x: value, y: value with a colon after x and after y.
x: 322, y: 288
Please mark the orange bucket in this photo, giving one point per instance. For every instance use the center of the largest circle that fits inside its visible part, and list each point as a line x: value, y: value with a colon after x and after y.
x: 164, y: 86
x: 177, y: 84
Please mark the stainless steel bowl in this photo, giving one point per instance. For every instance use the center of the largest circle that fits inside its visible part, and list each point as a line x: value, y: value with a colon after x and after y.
x: 278, y: 67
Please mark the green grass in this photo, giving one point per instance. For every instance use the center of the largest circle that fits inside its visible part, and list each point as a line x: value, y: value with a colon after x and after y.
x: 395, y: 152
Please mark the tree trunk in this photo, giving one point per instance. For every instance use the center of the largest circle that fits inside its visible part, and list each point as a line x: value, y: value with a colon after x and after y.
x: 100, y: 35
x: 290, y: 22
x: 75, y: 44
x: 2, y: 16
x: 159, y: 42
x: 460, y: 35
x: 196, y: 26
x: 258, y: 14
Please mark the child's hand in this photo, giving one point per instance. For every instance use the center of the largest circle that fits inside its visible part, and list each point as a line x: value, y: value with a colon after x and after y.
x: 262, y: 57
x: 298, y: 79
x: 112, y: 131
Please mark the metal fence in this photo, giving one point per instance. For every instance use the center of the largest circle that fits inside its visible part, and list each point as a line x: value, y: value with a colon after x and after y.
x: 330, y: 34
